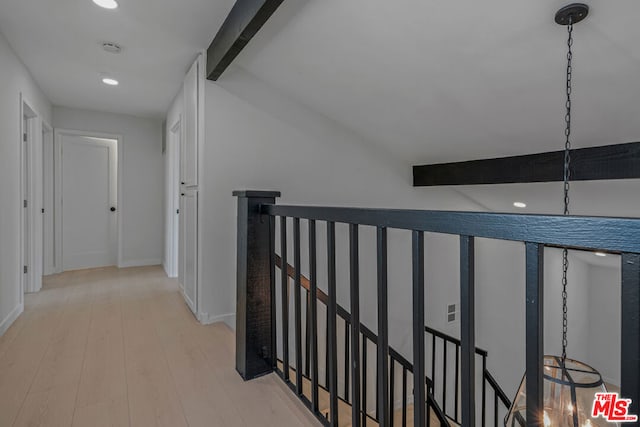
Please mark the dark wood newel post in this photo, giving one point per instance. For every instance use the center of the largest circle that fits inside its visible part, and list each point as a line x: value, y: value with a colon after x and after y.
x: 254, y: 340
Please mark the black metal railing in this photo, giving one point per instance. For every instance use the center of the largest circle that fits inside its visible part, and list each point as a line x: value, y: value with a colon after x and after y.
x: 440, y: 346
x: 257, y: 306
x: 444, y: 353
x: 397, y: 362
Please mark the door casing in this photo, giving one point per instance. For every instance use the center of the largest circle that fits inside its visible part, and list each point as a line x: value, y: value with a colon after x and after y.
x: 31, y: 192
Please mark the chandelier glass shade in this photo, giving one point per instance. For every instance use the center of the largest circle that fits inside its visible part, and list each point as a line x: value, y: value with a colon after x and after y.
x: 569, y: 392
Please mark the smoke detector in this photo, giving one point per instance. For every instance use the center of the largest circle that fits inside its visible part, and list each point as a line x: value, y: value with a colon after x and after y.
x: 111, y: 47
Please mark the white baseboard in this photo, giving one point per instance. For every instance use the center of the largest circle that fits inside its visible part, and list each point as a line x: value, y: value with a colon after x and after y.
x: 229, y: 319
x: 140, y: 263
x: 166, y: 271
x: 8, y: 321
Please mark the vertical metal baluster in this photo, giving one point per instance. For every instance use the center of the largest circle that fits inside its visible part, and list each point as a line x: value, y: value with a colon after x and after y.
x: 630, y: 331
x: 377, y: 409
x: 419, y: 396
x: 272, y: 273
x: 307, y: 333
x: 535, y: 332
x: 285, y: 297
x: 444, y: 376
x: 467, y: 326
x: 354, y: 271
x: 457, y: 380
x: 433, y: 363
x: 297, y: 304
x: 346, y: 361
x: 332, y: 332
x: 484, y: 390
x: 364, y: 381
x: 384, y: 416
x: 404, y: 396
x: 392, y: 384
x: 326, y: 349
x: 313, y: 284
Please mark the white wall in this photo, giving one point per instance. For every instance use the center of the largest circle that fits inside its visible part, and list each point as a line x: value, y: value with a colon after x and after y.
x: 604, y: 321
x: 258, y: 139
x: 14, y: 81
x: 142, y: 212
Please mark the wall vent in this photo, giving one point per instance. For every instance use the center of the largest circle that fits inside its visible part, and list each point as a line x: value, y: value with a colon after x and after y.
x: 451, y: 313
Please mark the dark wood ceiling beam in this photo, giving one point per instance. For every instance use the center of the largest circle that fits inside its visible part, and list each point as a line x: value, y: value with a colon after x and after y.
x: 619, y: 161
x: 243, y: 22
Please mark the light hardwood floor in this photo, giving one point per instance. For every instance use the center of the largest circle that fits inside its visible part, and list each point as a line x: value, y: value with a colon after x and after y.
x: 109, y: 347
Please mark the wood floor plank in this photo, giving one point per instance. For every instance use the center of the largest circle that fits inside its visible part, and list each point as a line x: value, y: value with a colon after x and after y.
x: 20, y: 362
x: 63, y: 360
x: 104, y: 414
x: 103, y: 376
x: 119, y: 347
x: 53, y: 407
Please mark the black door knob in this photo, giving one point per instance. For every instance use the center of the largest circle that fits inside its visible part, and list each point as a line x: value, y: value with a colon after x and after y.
x: 113, y: 209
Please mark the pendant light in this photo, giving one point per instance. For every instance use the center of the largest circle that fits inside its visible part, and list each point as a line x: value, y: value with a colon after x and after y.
x: 569, y: 386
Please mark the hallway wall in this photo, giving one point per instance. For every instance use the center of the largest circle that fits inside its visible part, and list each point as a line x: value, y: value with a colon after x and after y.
x: 604, y: 320
x: 257, y: 138
x: 15, y: 80
x: 143, y: 175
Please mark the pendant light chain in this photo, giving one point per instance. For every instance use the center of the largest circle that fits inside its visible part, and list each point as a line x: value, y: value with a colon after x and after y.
x: 563, y: 389
x: 567, y: 176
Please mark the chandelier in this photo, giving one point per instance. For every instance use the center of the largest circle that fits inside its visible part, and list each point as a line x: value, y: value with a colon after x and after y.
x: 569, y: 386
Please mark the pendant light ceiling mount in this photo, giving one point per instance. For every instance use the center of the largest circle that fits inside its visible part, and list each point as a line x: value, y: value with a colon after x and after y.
x: 572, y: 14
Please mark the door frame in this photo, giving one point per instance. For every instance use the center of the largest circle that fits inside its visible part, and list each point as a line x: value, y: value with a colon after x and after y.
x: 31, y: 191
x: 48, y: 228
x: 57, y: 155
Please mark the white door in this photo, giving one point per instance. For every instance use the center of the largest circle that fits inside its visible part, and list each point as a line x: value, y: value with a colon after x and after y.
x: 189, y: 219
x: 89, y: 195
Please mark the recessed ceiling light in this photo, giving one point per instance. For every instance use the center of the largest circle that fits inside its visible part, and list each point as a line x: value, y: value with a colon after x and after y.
x: 520, y: 204
x: 109, y: 81
x: 107, y: 4
x: 599, y: 254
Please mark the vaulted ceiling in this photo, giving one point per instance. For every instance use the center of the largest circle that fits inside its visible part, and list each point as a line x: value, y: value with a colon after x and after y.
x: 438, y: 81
x: 434, y: 81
